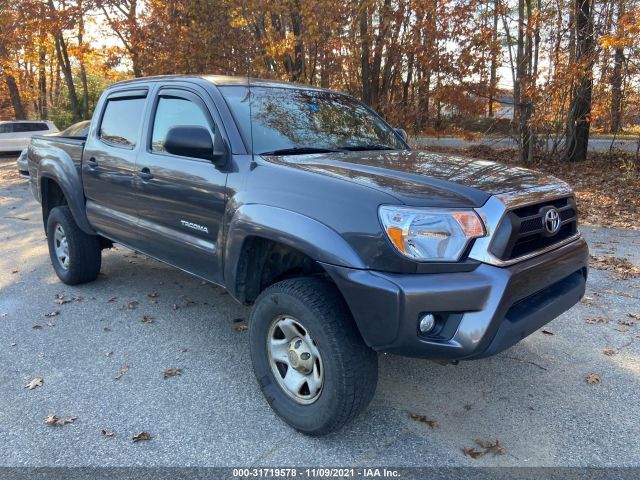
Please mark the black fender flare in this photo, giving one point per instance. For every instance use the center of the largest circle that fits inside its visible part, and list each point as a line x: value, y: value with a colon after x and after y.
x: 310, y: 237
x: 64, y: 173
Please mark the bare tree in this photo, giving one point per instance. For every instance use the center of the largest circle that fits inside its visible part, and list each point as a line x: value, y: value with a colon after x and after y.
x: 579, y: 121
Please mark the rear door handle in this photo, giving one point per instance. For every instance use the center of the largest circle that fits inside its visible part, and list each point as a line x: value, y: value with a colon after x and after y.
x: 145, y: 174
x: 93, y: 163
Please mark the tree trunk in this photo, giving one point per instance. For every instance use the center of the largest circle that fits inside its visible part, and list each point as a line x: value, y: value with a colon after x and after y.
x: 616, y: 77
x: 43, y: 109
x: 83, y: 73
x: 16, y: 100
x: 494, y: 59
x: 65, y: 65
x: 365, y: 43
x: 376, y: 65
x: 578, y: 123
x: 517, y: 86
x: 296, y: 26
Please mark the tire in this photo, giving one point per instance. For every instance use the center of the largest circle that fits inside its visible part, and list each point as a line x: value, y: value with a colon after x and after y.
x: 348, y: 369
x: 83, y: 253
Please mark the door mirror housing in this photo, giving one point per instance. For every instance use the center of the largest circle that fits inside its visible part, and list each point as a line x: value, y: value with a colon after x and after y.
x: 402, y: 133
x: 195, y: 142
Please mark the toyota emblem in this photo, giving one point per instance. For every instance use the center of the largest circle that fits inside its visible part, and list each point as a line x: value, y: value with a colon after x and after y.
x: 552, y: 221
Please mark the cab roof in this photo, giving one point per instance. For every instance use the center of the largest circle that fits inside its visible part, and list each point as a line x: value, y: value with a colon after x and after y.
x: 220, y: 80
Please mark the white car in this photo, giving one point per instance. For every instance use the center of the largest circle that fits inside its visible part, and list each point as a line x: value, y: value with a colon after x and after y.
x: 15, y: 134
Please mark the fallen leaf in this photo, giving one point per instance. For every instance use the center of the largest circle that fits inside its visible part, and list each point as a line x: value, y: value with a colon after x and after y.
x: 593, y: 320
x: 172, y: 372
x: 12, y: 344
x: 107, y: 433
x: 241, y: 328
x: 112, y: 299
x: 141, y: 436
x: 132, y: 305
x: 183, y: 350
x: 609, y: 352
x: 546, y: 332
x: 122, y: 372
x: 635, y: 316
x: 621, y: 267
x: 36, y: 382
x: 422, y: 419
x: 592, y: 378
x: 60, y: 299
x: 153, y: 295
x: 621, y: 329
x: 56, y: 421
x: 108, y: 354
x: 491, y: 447
x: 37, y: 327
x: 78, y: 298
x: 472, y: 452
x: 175, y: 307
x: 629, y: 323
x: 15, y: 271
x: 147, y: 319
x: 55, y: 313
x: 106, y: 329
x: 238, y: 320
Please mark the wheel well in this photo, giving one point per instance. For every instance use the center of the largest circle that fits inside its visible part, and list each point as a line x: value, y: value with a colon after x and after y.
x: 264, y: 262
x: 52, y: 196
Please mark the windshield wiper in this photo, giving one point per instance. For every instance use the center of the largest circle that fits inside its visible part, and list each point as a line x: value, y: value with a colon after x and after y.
x: 371, y: 146
x: 300, y: 151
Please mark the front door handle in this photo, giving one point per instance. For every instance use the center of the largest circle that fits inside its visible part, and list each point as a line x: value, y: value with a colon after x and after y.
x: 145, y: 174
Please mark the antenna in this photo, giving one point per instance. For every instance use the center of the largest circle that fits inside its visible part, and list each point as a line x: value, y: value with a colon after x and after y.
x: 248, y: 61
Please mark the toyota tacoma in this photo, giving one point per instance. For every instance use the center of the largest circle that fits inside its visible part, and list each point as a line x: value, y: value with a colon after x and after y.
x: 307, y: 205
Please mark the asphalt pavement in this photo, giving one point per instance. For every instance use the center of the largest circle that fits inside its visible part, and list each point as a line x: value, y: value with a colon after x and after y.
x: 595, y: 144
x: 104, y: 346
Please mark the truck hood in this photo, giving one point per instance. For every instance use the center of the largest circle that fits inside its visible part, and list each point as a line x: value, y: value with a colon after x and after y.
x: 423, y: 178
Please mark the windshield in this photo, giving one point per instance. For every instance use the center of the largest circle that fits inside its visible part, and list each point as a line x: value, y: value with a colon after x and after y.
x: 300, y: 121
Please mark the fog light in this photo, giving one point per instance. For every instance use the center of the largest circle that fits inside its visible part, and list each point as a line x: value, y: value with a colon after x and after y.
x: 427, y: 323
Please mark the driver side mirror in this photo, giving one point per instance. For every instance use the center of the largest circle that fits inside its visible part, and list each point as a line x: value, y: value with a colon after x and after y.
x: 195, y: 142
x: 402, y: 133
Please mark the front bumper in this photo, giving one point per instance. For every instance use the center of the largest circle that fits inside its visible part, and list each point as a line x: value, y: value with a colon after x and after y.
x: 480, y: 313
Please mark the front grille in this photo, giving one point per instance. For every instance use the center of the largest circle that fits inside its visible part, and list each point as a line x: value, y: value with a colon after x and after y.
x: 522, y: 230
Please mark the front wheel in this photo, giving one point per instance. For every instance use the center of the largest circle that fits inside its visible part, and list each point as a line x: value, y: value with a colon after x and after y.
x: 308, y: 356
x: 75, y: 255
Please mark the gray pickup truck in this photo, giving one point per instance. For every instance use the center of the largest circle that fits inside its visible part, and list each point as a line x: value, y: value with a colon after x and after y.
x: 305, y: 204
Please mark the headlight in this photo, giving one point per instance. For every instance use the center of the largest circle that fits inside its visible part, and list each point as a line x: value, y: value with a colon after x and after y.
x: 430, y: 234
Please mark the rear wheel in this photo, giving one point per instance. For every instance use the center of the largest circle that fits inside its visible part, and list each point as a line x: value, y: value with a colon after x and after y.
x: 75, y: 255
x: 308, y: 356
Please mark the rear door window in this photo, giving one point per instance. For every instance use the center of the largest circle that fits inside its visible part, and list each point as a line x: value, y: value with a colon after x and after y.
x: 6, y: 128
x: 121, y: 121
